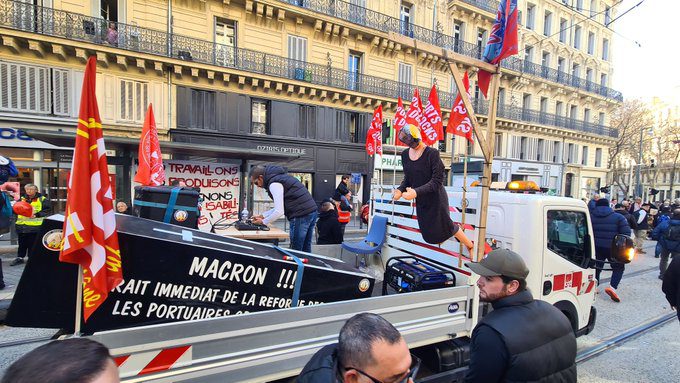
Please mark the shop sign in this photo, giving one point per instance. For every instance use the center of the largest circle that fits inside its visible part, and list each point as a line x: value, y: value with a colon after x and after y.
x: 17, y: 138
x: 388, y: 162
x: 281, y: 149
x: 219, y: 186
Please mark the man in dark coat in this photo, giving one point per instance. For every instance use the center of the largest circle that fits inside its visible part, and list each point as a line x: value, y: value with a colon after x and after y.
x: 522, y: 339
x: 621, y: 209
x: 668, y: 235
x: 343, y: 188
x: 641, y: 216
x: 671, y: 284
x: 606, y: 225
x: 290, y: 198
x: 369, y: 349
x: 328, y: 227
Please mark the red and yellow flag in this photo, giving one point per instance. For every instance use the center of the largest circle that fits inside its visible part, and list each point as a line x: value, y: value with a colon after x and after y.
x: 90, y: 236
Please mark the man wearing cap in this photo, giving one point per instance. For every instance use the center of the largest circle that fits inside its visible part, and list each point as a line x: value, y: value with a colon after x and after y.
x: 522, y: 339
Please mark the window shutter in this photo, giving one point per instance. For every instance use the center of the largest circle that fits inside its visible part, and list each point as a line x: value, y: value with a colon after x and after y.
x: 24, y: 88
x: 60, y: 79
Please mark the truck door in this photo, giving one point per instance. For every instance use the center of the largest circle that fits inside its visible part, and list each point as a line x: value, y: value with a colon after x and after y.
x: 567, y: 283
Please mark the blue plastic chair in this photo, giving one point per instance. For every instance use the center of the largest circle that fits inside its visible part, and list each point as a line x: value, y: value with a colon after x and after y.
x: 373, y: 242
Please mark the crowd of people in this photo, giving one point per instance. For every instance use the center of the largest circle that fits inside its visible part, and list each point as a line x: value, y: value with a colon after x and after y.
x: 659, y: 221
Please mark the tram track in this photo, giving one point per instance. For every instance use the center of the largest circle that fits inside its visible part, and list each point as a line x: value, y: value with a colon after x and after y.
x: 632, y: 274
x: 613, y: 341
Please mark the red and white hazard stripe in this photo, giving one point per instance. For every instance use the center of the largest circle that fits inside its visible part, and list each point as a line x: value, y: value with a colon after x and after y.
x: 153, y: 361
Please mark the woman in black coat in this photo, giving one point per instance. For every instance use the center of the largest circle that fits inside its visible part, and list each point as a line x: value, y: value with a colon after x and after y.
x: 424, y: 179
x: 671, y: 284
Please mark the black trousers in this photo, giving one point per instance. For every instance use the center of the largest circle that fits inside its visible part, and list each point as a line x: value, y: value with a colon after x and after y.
x: 25, y: 242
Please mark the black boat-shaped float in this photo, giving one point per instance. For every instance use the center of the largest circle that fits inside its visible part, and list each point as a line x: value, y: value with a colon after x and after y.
x: 174, y: 273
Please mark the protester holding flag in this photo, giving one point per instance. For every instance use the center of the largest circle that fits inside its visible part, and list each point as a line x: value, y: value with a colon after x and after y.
x: 424, y: 179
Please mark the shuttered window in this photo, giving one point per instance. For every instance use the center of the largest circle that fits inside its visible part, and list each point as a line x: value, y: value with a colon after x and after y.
x: 24, y: 88
x: 134, y: 97
x: 297, y: 48
x: 60, y: 82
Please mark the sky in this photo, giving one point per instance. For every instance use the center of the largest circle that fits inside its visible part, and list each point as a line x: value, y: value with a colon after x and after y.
x: 650, y: 69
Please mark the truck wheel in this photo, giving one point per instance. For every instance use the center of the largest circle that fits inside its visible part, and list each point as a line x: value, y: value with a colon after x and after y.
x: 568, y: 309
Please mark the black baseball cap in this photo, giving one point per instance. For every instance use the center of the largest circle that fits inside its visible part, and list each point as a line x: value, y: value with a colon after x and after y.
x: 500, y: 262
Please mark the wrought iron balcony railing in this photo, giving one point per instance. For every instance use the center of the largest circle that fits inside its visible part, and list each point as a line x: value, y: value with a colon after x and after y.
x: 487, y: 5
x: 73, y: 26
x: 363, y: 16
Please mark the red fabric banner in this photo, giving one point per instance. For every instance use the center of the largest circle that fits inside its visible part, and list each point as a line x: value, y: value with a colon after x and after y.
x: 434, y: 113
x: 459, y: 121
x: 89, y: 234
x: 374, y: 134
x: 399, y: 122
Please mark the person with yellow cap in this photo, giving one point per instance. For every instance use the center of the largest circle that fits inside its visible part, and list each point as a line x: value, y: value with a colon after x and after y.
x: 424, y: 179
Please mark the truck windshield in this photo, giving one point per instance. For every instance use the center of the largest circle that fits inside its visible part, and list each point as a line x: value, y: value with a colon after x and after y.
x: 566, y: 234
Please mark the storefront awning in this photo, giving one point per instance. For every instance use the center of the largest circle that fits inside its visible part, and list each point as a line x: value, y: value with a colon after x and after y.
x: 67, y: 139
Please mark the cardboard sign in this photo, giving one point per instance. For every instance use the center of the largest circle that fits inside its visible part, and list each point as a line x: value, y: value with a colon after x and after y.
x: 219, y: 187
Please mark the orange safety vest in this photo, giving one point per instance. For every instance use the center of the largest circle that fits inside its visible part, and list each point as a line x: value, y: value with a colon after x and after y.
x: 343, y: 216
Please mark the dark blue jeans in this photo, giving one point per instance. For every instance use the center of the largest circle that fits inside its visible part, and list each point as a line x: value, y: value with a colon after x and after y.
x: 602, y: 254
x: 302, y: 231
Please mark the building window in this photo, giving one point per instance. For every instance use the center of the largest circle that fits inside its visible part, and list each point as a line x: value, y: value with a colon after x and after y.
x: 576, y: 71
x: 260, y: 122
x: 545, y: 59
x: 458, y: 35
x: 134, y: 97
x: 354, y: 69
x: 603, y: 79
x: 531, y: 13
x: 62, y: 92
x: 547, y: 23
x: 577, y: 37
x: 544, y: 105
x: 556, y: 152
x: 607, y: 15
x: 563, y: 31
x: 589, y: 76
x: 24, y: 88
x: 109, y: 9
x: 297, y: 48
x: 570, y: 153
x: 579, y: 5
x: 405, y: 17
x: 605, y: 49
x: 584, y: 156
x: 498, y: 145
x: 598, y: 157
x: 573, y: 112
x: 469, y: 148
x: 529, y: 54
x: 591, y: 43
x: 586, y: 115
x: 501, y: 97
x: 600, y: 119
x: 539, y: 149
x: 404, y: 81
x: 523, y: 148
x: 559, y: 108
x: 560, y: 64
x: 481, y: 41
x: 225, y: 42
x: 593, y: 8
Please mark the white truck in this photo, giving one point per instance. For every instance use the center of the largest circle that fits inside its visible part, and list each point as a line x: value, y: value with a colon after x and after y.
x: 553, y: 235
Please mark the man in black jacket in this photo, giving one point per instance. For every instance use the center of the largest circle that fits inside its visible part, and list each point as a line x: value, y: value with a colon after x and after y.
x: 369, y: 349
x: 522, y: 339
x: 671, y: 284
x: 641, y: 216
x: 290, y: 198
x: 328, y: 226
x: 619, y: 208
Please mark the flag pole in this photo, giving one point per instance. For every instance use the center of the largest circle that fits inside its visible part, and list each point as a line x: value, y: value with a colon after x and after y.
x: 488, y: 158
x: 79, y: 302
x: 463, y: 206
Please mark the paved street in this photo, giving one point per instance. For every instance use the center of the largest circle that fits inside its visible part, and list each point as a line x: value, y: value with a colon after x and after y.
x: 650, y: 357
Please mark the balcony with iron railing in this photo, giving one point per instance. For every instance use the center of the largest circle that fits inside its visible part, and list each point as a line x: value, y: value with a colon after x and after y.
x: 366, y: 17
x: 78, y: 27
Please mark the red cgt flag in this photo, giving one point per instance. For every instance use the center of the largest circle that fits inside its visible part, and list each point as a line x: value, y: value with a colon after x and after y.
x: 374, y: 134
x: 150, y: 171
x: 459, y: 121
x: 90, y: 236
x: 415, y: 116
x: 399, y: 122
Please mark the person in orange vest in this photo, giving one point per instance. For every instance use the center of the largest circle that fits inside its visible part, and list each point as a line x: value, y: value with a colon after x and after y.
x: 28, y: 227
x: 344, y: 209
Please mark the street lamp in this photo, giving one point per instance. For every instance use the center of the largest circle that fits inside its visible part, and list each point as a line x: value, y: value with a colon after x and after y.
x: 638, y: 186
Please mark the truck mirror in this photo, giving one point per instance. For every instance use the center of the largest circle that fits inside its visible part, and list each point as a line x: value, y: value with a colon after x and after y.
x: 623, y: 249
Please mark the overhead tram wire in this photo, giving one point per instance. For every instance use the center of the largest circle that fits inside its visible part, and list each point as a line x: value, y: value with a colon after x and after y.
x: 592, y: 19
